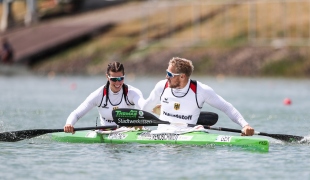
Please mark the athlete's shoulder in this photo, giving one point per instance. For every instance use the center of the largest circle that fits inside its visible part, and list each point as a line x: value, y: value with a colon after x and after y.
x: 98, y: 91
x: 97, y: 94
x: 161, y: 83
x: 201, y: 85
x: 132, y: 89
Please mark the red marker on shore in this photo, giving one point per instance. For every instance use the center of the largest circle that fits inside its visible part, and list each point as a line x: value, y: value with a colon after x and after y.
x: 287, y: 101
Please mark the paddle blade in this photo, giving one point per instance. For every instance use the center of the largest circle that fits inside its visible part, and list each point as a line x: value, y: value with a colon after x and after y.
x: 135, y: 117
x: 283, y: 137
x: 207, y: 118
x: 14, y: 136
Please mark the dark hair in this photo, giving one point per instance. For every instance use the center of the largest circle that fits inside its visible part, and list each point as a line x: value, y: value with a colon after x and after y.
x: 115, y: 67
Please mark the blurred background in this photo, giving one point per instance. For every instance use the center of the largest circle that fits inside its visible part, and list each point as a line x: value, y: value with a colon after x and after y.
x: 221, y: 37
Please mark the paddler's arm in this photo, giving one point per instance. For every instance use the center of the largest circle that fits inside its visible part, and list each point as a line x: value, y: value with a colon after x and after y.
x: 154, y: 97
x: 76, y: 115
x: 138, y: 99
x: 91, y: 101
x: 218, y: 102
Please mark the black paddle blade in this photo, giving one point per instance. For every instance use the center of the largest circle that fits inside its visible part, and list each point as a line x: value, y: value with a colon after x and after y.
x: 135, y: 117
x: 14, y: 136
x: 283, y: 137
x: 207, y: 118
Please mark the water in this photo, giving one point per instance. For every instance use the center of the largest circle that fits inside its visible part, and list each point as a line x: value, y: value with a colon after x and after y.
x: 29, y: 102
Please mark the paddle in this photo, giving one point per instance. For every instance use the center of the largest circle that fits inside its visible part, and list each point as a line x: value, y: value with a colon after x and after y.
x: 207, y: 118
x: 127, y: 117
x: 282, y: 137
x: 133, y: 117
x: 14, y: 136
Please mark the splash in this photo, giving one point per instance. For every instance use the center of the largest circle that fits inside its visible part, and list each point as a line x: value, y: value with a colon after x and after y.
x: 2, y: 126
x: 305, y: 140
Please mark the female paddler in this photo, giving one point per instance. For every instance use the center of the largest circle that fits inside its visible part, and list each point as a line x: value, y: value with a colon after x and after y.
x: 115, y: 94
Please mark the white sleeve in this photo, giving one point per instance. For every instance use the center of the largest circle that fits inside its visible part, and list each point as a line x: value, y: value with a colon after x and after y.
x: 136, y: 96
x: 218, y: 102
x: 91, y: 101
x: 154, y: 97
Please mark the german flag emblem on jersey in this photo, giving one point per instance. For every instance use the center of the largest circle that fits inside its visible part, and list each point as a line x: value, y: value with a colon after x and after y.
x: 177, y: 106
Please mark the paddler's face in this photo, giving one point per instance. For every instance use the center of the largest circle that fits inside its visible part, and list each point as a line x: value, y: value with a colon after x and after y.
x: 173, y: 77
x: 116, y: 80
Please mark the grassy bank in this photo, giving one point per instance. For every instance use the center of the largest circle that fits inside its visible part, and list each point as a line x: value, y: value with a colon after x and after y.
x: 220, y: 38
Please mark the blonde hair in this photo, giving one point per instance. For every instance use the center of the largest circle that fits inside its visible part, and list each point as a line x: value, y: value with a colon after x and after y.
x: 182, y: 65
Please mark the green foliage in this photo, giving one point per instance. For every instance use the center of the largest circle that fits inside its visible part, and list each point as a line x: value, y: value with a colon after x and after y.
x: 203, y: 66
x: 286, y: 67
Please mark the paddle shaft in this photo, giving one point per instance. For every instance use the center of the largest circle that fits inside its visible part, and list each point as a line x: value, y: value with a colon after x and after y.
x: 14, y: 136
x: 223, y: 129
x: 282, y: 137
x: 80, y: 129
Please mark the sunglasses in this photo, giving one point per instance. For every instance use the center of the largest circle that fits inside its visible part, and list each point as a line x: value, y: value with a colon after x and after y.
x: 114, y: 79
x: 170, y: 74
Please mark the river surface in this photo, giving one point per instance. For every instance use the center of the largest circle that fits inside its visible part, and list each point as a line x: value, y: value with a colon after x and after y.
x: 37, y: 102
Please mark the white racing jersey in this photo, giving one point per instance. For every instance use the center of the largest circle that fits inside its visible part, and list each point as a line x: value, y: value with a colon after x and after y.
x: 184, y: 105
x: 105, y: 106
x: 180, y: 108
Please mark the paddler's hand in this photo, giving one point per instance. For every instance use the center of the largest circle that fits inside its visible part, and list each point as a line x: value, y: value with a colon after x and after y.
x: 156, y: 109
x: 138, y: 128
x: 69, y: 128
x: 247, y: 131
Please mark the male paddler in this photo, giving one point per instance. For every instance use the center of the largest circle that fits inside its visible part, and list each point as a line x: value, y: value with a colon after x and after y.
x: 182, y: 98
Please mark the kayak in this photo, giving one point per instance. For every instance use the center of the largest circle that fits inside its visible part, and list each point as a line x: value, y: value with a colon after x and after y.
x: 183, y: 134
x: 145, y: 137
